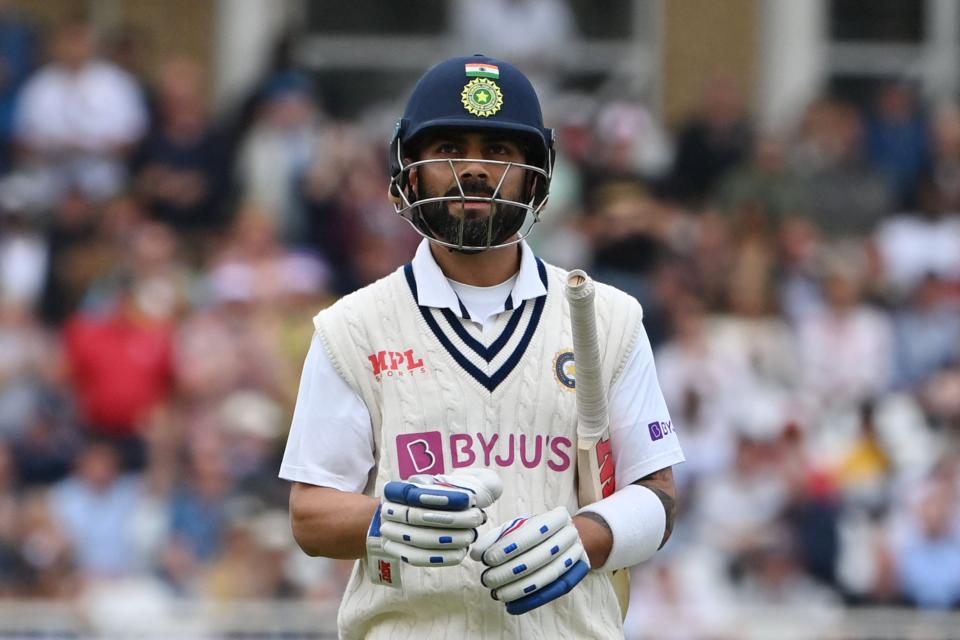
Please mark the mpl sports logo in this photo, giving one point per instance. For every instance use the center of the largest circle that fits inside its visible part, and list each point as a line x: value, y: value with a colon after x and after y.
x: 395, y: 364
x: 428, y: 452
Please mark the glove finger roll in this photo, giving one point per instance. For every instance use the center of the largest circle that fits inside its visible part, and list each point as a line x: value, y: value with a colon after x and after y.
x: 529, y: 562
x: 542, y: 577
x: 468, y: 519
x: 519, y: 536
x: 445, y: 499
x: 552, y: 591
x: 427, y: 537
x: 424, y: 557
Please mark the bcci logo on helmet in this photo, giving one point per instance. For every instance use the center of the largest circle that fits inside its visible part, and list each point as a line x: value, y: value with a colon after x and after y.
x: 482, y: 97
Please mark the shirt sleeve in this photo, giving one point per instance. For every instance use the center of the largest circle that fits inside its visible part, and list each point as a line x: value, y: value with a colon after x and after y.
x: 641, y: 432
x: 331, y: 437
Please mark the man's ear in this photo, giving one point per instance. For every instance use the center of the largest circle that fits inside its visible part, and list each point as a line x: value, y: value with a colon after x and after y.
x: 413, y: 177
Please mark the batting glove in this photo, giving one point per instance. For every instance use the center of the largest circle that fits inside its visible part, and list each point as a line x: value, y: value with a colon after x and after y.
x: 532, y: 560
x: 428, y: 521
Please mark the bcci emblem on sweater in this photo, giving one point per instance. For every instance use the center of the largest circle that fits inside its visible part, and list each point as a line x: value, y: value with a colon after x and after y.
x: 565, y: 369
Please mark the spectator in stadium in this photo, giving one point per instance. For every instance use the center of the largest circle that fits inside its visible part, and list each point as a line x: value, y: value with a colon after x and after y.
x: 735, y: 512
x: 898, y: 139
x: 19, y: 47
x: 764, y: 191
x: 631, y: 143
x: 47, y: 567
x: 773, y: 577
x: 921, y: 244
x: 149, y: 263
x: 79, y: 117
x: 927, y: 332
x: 752, y: 331
x: 181, y: 171
x: 24, y: 251
x: 278, y: 150
x: 120, y: 366
x: 99, y: 510
x: 27, y: 361
x: 627, y: 230
x: 198, y: 516
x: 847, y: 348
x: 846, y: 196
x: 79, y: 252
x: 928, y: 559
x: 715, y: 139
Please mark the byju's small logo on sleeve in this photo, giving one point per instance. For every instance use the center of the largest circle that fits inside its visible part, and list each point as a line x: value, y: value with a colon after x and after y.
x: 660, y: 429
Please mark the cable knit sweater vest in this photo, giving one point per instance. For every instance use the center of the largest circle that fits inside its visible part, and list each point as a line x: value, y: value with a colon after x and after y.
x: 441, y: 397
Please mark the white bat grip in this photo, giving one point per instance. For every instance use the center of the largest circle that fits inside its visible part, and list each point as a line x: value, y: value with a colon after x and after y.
x: 592, y: 417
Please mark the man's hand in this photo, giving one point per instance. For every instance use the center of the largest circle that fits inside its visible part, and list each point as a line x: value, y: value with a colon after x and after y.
x: 428, y: 521
x: 532, y: 560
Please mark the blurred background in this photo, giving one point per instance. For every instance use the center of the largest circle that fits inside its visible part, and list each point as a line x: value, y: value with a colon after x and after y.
x: 184, y: 183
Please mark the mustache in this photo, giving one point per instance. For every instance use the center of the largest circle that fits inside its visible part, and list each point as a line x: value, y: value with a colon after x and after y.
x: 471, y: 187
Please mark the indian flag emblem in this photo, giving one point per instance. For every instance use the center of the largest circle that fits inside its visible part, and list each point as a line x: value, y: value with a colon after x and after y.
x: 482, y: 97
x: 482, y: 70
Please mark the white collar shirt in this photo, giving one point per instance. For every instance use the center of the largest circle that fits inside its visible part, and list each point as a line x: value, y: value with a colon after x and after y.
x: 434, y: 290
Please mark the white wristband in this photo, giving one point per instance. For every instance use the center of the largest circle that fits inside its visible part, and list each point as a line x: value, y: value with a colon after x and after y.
x: 637, y: 519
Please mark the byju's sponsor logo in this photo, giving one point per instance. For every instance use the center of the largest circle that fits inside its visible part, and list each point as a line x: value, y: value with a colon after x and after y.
x: 395, y: 364
x: 420, y: 453
x: 659, y: 429
x: 426, y: 452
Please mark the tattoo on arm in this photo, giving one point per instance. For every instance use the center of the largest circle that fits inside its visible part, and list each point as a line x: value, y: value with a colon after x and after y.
x: 596, y: 517
x: 661, y: 483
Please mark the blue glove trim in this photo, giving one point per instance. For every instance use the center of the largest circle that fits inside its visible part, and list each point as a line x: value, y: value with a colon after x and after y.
x: 374, y: 531
x: 414, y: 496
x: 552, y: 591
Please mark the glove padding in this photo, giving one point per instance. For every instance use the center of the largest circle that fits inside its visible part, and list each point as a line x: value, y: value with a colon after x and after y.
x: 428, y: 521
x: 532, y: 560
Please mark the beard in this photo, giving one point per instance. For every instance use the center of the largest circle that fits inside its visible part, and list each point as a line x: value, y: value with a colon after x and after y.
x: 480, y: 230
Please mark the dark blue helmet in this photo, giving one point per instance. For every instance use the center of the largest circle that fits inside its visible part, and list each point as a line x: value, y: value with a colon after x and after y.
x: 475, y: 93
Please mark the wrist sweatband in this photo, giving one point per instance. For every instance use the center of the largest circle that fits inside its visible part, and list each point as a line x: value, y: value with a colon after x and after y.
x: 637, y: 520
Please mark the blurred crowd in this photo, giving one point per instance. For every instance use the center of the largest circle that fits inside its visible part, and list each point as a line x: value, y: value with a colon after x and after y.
x: 160, y: 264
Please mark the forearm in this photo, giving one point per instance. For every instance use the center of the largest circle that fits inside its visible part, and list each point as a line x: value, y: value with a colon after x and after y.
x: 596, y: 537
x: 331, y: 523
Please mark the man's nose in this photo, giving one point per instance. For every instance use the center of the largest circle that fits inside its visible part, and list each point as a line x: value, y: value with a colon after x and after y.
x: 473, y: 169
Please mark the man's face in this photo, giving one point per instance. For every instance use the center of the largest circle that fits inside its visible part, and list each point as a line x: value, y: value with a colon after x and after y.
x: 482, y: 223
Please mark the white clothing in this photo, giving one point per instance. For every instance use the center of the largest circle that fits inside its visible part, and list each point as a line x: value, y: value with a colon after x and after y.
x: 911, y: 247
x: 846, y: 358
x: 483, y: 303
x: 439, y: 396
x: 96, y: 109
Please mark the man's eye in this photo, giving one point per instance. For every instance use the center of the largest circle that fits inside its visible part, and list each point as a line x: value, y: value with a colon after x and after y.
x: 447, y: 147
x: 499, y: 149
